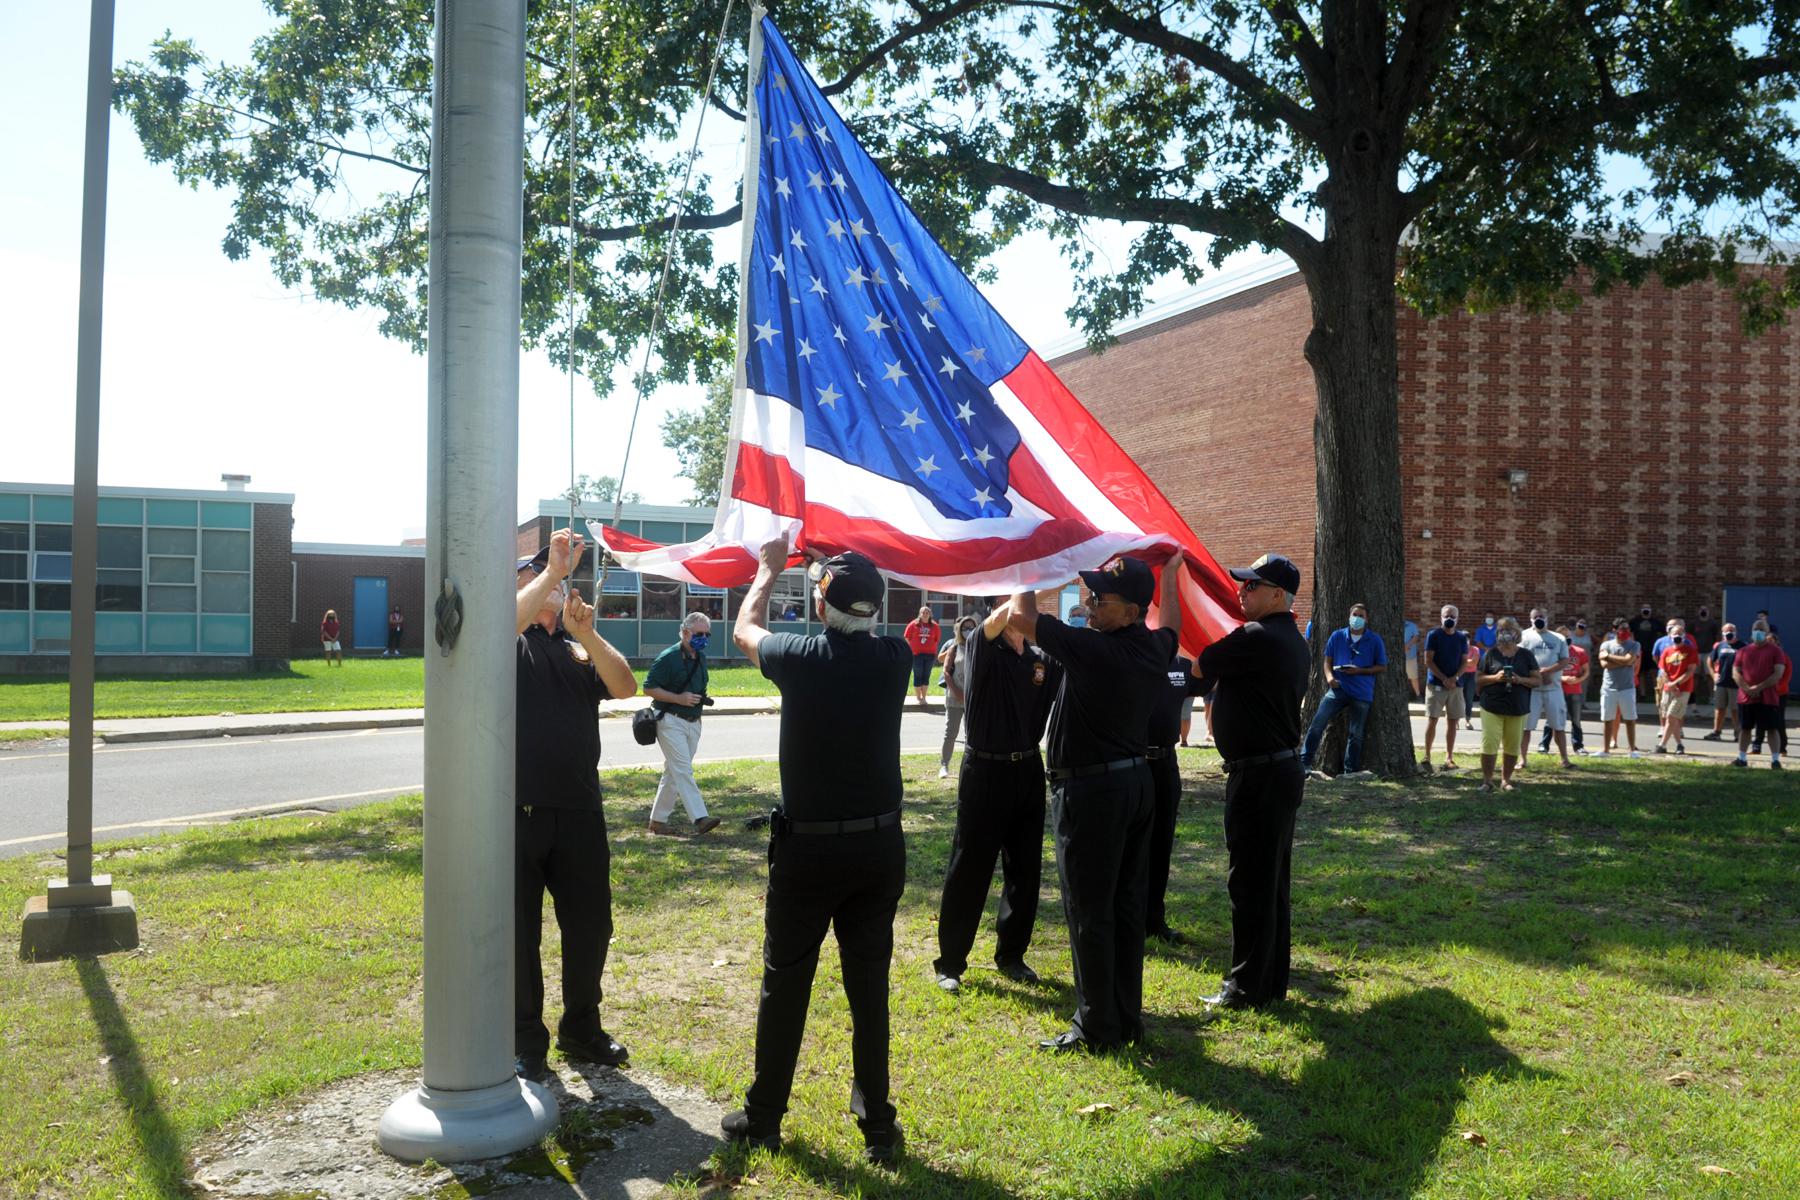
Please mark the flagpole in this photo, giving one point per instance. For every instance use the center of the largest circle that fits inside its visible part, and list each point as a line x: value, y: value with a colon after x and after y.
x: 752, y: 176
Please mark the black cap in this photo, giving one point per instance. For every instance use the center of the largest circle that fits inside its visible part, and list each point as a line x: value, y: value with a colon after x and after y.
x: 851, y: 583
x: 1127, y: 578
x: 1274, y: 569
x: 538, y: 562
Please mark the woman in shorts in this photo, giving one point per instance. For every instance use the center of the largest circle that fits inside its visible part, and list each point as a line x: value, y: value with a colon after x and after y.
x: 1507, y: 675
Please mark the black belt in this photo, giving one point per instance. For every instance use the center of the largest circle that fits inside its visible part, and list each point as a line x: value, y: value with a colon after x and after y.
x: 856, y: 825
x: 1156, y: 752
x: 1117, y: 764
x: 670, y: 712
x: 1257, y: 760
x: 1006, y: 756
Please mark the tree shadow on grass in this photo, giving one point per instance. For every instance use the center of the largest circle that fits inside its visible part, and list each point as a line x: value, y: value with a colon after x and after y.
x: 160, y: 1147
x: 1367, y: 1117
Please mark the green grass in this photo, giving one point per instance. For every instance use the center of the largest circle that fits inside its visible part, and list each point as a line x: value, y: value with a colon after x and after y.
x: 31, y: 735
x: 1529, y: 968
x: 308, y: 686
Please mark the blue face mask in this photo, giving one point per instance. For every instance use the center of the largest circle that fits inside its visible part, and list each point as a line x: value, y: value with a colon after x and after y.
x: 1357, y: 623
x: 1757, y: 635
x: 698, y: 641
x: 1077, y: 622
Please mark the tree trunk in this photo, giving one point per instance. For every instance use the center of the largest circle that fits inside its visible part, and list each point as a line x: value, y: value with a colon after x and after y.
x: 1358, y: 550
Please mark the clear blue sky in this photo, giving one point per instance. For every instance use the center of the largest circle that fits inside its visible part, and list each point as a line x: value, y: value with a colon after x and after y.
x: 210, y: 366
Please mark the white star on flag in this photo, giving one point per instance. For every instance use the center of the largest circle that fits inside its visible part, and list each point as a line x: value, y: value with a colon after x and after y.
x: 912, y: 420
x: 782, y: 189
x: 876, y: 325
x: 928, y: 465
x: 829, y: 396
x: 964, y: 412
x: 949, y: 368
x: 766, y: 331
x: 806, y: 350
x: 894, y: 373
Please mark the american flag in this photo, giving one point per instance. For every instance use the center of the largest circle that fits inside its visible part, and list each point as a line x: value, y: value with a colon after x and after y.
x: 884, y: 406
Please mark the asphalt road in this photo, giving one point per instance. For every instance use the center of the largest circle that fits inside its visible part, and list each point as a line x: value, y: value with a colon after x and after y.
x: 171, y: 785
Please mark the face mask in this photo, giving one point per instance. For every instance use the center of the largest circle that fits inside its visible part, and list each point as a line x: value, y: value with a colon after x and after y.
x: 1357, y: 623
x: 1757, y: 635
x: 1507, y: 642
x: 1077, y: 622
x: 1449, y: 622
x: 1731, y: 637
x: 1538, y: 622
x: 1489, y: 622
x: 698, y: 641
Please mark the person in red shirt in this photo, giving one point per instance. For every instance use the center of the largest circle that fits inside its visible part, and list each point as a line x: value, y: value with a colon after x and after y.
x: 1677, y: 666
x: 922, y: 635
x: 1574, y: 687
x: 1760, y: 669
x: 329, y: 629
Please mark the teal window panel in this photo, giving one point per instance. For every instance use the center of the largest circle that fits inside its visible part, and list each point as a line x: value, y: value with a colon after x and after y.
x: 666, y: 532
x: 224, y: 635
x: 58, y: 509
x: 118, y: 633
x: 631, y: 527
x: 696, y: 532
x: 180, y: 514
x: 220, y: 514
x: 165, y: 634
x: 658, y: 635
x: 117, y: 511
x: 15, y: 506
x: 50, y: 631
x: 15, y: 632
x: 622, y: 635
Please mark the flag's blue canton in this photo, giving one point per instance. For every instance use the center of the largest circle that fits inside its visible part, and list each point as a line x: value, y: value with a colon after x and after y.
x: 860, y: 319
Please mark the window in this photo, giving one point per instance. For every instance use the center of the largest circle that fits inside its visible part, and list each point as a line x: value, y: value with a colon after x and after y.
x: 57, y: 567
x: 903, y: 604
x: 224, y: 592
x: 52, y: 597
x: 709, y: 600
x: 119, y: 591
x: 789, y: 599
x: 225, y: 550
x: 224, y: 571
x: 171, y: 599
x: 53, y: 537
x: 662, y: 600
x: 172, y: 541
x: 13, y: 596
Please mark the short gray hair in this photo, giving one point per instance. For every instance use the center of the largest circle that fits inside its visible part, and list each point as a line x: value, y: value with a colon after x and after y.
x: 693, y: 619
x: 843, y: 622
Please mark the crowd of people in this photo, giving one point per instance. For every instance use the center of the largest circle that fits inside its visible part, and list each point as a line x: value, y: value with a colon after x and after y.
x: 1539, y: 678
x: 1086, y: 713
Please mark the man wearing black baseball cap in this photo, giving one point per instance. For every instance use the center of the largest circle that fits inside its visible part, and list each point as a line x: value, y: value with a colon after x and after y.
x: 1101, y: 793
x: 1257, y: 677
x: 836, y: 855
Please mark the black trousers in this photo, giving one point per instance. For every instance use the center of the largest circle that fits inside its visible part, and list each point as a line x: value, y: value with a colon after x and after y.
x: 1102, y: 828
x: 564, y: 850
x: 1260, y: 805
x: 1165, y: 783
x: 999, y: 815
x: 850, y: 883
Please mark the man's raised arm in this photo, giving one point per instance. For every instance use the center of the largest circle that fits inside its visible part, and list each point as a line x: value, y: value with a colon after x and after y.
x: 753, y: 615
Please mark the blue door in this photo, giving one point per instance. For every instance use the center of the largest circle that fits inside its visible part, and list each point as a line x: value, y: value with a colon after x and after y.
x: 1781, y: 603
x: 371, y: 605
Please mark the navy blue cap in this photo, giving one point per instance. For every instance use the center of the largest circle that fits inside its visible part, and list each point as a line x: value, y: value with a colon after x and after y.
x: 1276, y: 570
x: 1130, y: 579
x: 538, y: 562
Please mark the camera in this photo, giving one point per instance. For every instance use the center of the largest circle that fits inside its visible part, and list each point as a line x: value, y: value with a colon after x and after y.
x: 706, y: 701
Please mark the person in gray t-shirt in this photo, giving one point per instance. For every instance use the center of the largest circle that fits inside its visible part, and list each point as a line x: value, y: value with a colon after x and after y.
x: 1618, y: 687
x: 1552, y: 655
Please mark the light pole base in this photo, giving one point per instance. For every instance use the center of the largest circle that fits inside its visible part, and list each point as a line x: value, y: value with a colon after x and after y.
x: 461, y: 1126
x: 51, y: 930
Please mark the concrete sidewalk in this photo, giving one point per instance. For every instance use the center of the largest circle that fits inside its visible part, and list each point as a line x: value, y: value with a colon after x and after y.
x: 165, y: 729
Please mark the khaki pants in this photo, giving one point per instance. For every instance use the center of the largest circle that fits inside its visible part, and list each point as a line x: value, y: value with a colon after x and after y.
x: 678, y: 738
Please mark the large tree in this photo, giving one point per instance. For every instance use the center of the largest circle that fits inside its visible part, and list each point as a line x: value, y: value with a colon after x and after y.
x: 1485, y: 137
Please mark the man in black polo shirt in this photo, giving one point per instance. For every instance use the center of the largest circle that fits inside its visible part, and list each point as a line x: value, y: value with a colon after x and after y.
x: 1165, y: 771
x: 563, y: 674
x: 836, y: 855
x: 1101, y: 793
x: 999, y: 801
x: 1257, y: 677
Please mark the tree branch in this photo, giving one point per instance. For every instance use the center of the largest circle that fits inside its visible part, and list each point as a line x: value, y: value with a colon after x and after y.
x: 689, y: 223
x: 1417, y: 53
x: 1260, y: 92
x: 928, y: 22
x: 334, y: 147
x: 1307, y: 52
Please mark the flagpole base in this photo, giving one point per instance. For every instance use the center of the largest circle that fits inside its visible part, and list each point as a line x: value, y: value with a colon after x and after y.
x: 448, y: 1127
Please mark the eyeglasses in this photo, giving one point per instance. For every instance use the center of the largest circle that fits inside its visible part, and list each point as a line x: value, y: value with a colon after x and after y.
x: 1101, y: 601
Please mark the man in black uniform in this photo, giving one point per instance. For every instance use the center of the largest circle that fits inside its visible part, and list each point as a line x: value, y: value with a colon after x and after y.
x: 999, y: 801
x: 563, y: 674
x: 1101, y: 801
x: 1165, y: 771
x: 1257, y: 677
x: 836, y: 855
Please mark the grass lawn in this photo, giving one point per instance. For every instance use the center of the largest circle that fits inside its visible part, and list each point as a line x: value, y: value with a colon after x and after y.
x: 308, y: 686
x: 1588, y: 988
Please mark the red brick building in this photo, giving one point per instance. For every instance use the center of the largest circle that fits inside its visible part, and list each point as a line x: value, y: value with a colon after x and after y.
x: 361, y: 583
x: 1638, y: 449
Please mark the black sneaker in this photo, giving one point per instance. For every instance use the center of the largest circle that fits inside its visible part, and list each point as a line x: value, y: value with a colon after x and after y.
x: 738, y: 1127
x: 1661, y: 749
x: 602, y: 1048
x: 1711, y: 737
x: 1017, y: 971
x: 883, y: 1146
x: 1163, y: 933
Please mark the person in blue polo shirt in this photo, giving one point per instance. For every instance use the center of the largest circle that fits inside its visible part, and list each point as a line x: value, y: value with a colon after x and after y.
x: 1354, y: 655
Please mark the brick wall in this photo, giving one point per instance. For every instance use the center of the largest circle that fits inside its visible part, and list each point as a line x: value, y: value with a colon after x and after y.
x: 328, y: 581
x: 1662, y: 446
x: 1217, y: 406
x: 271, y: 550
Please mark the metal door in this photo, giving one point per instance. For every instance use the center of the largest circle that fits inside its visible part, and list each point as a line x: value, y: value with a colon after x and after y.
x: 369, y: 631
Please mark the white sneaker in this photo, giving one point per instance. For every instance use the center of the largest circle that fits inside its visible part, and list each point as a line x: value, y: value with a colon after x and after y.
x: 1603, y: 754
x: 1321, y: 776
x: 1635, y: 754
x: 1359, y: 775
x: 943, y: 772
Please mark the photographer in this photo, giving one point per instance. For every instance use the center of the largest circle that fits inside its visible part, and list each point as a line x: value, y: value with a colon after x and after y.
x: 676, y: 686
x: 1507, y: 676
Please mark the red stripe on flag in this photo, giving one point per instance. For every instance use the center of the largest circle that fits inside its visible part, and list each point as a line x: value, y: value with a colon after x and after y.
x: 768, y: 480
x: 830, y: 530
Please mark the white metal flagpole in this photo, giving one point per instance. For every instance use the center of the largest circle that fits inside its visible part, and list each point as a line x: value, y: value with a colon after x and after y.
x: 470, y: 1104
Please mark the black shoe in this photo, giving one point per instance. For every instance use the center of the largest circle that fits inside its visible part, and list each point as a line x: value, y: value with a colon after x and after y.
x: 738, y: 1127
x: 603, y: 1048
x: 1227, y: 999
x: 533, y: 1067
x: 1163, y: 933
x: 1017, y: 971
x: 1739, y: 762
x: 883, y: 1146
x: 1661, y: 749
x: 1071, y: 1043
x: 1711, y: 737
